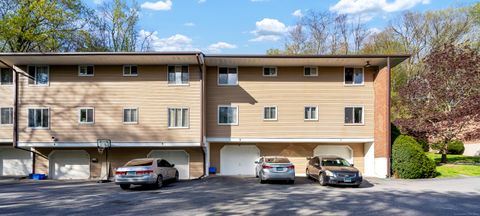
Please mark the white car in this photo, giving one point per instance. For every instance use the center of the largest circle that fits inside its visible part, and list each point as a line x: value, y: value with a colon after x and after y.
x: 145, y: 171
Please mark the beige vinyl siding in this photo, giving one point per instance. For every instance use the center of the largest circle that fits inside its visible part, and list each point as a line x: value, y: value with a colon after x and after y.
x: 6, y: 100
x: 109, y: 92
x: 290, y: 91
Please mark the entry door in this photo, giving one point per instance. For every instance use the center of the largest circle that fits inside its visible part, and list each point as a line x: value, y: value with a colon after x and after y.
x: 238, y: 160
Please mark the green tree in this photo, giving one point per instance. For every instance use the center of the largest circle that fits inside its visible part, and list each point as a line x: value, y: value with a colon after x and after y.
x: 40, y: 25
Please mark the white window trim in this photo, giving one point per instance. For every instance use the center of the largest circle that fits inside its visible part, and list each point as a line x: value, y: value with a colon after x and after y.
x: 263, y: 71
x: 86, y: 75
x: 37, y: 85
x: 227, y: 124
x: 130, y: 74
x: 13, y: 74
x: 316, y: 113
x: 316, y: 75
x: 353, y: 84
x: 39, y: 128
x: 6, y: 125
x: 123, y: 115
x: 79, y: 116
x: 363, y: 115
x: 168, y: 120
x: 181, y: 84
x: 276, y: 113
x: 218, y: 76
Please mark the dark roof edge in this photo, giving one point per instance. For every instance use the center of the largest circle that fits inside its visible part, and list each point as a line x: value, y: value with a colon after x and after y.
x: 306, y: 56
x: 101, y: 53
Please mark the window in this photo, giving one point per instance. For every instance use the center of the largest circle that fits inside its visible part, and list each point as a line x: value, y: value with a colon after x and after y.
x: 353, y: 76
x: 38, y: 118
x: 40, y: 75
x: 311, y: 113
x: 310, y: 71
x: 163, y: 163
x: 6, y: 116
x: 86, y: 70
x: 6, y: 76
x: 227, y: 76
x: 353, y: 115
x: 130, y: 70
x: 178, y: 75
x: 270, y: 71
x: 130, y: 115
x: 270, y: 113
x: 178, y: 117
x: 227, y: 115
x: 86, y: 116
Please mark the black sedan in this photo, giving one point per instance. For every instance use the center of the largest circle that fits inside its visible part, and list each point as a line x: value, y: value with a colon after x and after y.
x: 333, y: 170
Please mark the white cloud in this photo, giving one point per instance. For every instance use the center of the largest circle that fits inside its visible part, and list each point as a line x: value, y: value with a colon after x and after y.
x: 159, y: 5
x: 374, y: 6
x: 201, y: 1
x: 97, y: 2
x: 189, y: 24
x: 374, y: 30
x: 269, y: 29
x: 297, y: 13
x: 217, y: 47
x: 177, y: 42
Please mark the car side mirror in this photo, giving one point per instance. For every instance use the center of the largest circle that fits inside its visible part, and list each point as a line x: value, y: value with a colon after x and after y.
x: 351, y: 165
x: 257, y: 162
x: 173, y: 165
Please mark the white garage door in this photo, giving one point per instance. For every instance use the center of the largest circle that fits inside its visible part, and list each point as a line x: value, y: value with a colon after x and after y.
x: 238, y: 159
x: 15, y: 162
x: 340, y: 151
x: 69, y: 164
x: 180, y: 158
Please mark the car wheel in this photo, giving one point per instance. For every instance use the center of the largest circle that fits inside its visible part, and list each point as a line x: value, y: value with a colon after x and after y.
x: 125, y: 186
x: 322, y: 179
x: 159, y: 182
x: 176, y: 176
x: 261, y: 179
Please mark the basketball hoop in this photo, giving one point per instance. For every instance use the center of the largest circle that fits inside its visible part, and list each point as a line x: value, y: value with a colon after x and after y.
x: 103, y: 144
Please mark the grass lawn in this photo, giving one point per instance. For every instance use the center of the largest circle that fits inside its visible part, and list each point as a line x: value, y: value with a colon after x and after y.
x: 456, y: 170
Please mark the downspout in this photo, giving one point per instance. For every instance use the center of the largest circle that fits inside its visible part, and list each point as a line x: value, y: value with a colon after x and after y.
x: 15, y: 113
x: 389, y: 131
x: 202, y: 114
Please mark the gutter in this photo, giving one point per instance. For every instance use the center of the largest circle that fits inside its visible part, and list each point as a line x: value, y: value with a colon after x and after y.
x: 15, y: 113
x: 202, y: 114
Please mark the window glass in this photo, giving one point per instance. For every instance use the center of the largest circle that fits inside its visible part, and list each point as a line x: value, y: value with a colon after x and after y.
x: 353, y: 115
x: 310, y: 113
x: 130, y: 115
x: 38, y: 118
x: 227, y: 115
x: 348, y: 75
x: 270, y: 113
x: 39, y: 75
x: 227, y: 76
x: 130, y: 70
x: 348, y: 115
x: 354, y: 76
x: 310, y: 71
x: 178, y: 117
x: 140, y: 162
x: 335, y: 162
x: 86, y: 70
x: 277, y: 160
x: 86, y: 115
x: 6, y: 115
x: 270, y: 71
x: 6, y: 76
x: 358, y: 112
x: 178, y: 75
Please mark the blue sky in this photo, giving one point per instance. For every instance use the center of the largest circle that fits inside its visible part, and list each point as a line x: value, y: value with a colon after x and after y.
x: 253, y: 26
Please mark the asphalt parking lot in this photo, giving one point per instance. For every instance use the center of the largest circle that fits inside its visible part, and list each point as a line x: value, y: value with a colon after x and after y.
x: 244, y: 196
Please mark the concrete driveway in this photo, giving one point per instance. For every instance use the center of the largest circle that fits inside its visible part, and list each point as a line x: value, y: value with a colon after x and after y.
x: 237, y: 195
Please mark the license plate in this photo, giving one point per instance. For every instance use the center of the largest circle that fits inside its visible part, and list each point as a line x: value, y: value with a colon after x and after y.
x: 347, y: 180
x: 131, y: 173
x: 279, y: 168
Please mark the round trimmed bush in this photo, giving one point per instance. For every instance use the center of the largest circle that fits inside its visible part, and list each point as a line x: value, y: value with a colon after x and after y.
x: 455, y: 147
x: 410, y: 161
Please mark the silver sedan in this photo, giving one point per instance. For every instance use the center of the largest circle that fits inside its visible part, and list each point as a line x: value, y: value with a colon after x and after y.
x: 145, y: 171
x: 275, y: 168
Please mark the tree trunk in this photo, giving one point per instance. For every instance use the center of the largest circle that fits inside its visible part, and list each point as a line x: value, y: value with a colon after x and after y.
x: 444, y: 157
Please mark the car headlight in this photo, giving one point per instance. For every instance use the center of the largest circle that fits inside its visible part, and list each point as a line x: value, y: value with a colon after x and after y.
x: 359, y: 174
x: 329, y: 173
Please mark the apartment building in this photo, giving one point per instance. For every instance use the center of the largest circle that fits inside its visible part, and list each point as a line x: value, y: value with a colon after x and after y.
x: 197, y: 111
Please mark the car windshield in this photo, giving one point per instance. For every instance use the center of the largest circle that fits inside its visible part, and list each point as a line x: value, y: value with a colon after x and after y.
x: 335, y: 162
x: 277, y: 160
x: 140, y: 162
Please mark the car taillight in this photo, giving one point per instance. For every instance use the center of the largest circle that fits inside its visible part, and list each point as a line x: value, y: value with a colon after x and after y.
x: 266, y: 167
x: 120, y: 173
x: 144, y: 172
x: 291, y: 167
